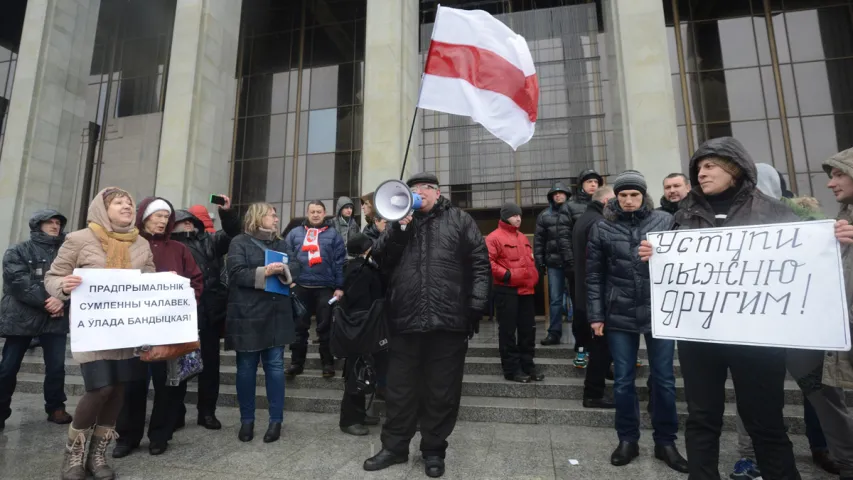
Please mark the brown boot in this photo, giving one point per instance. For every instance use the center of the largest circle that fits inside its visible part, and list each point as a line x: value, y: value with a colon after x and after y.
x: 59, y: 417
x: 96, y: 463
x: 75, y: 449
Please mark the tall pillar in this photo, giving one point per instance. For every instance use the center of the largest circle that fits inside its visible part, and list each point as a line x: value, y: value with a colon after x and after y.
x: 47, y: 113
x: 391, y: 85
x: 644, y: 122
x: 198, y: 115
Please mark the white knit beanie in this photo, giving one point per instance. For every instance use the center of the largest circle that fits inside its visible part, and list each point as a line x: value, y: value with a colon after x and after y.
x: 156, y: 206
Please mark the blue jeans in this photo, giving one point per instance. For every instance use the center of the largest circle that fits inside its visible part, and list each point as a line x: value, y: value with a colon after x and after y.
x: 53, y: 349
x: 558, y: 298
x: 623, y: 348
x: 247, y: 373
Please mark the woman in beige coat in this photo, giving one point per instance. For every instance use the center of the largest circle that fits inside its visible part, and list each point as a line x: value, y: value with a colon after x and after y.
x: 110, y: 241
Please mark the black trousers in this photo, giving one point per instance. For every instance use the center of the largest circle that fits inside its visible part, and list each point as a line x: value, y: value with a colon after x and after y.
x: 316, y: 301
x: 758, y: 374
x: 353, y: 406
x: 424, y: 386
x: 208, y: 379
x: 168, y: 403
x: 599, y: 360
x: 516, y: 315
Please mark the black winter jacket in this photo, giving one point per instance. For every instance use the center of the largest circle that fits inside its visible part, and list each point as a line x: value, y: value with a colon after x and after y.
x: 438, y: 270
x: 580, y: 238
x: 209, y: 250
x: 256, y: 320
x: 668, y: 207
x: 749, y: 207
x: 579, y: 202
x: 552, y: 240
x: 22, y: 309
x: 362, y: 284
x: 346, y: 227
x: 372, y: 232
x: 617, y: 282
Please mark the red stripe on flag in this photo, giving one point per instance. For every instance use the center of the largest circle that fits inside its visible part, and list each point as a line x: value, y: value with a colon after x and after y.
x: 485, y: 70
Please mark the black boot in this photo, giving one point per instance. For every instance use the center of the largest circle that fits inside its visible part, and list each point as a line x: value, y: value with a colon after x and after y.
x: 384, y: 459
x: 209, y: 422
x: 329, y: 370
x: 273, y: 432
x: 822, y: 459
x: 535, y: 375
x: 433, y: 467
x: 624, y: 453
x: 670, y: 456
x: 157, y: 448
x: 247, y: 432
x: 598, y: 403
x: 293, y: 370
x: 517, y: 377
x: 123, y: 449
x: 550, y: 340
x: 356, y: 430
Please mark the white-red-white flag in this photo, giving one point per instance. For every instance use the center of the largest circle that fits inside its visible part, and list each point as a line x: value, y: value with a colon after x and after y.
x: 480, y: 68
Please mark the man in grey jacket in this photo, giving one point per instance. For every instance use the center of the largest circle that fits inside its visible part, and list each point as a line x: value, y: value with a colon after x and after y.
x: 343, y: 221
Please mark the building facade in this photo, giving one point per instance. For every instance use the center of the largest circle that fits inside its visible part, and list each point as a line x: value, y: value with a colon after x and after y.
x: 286, y: 101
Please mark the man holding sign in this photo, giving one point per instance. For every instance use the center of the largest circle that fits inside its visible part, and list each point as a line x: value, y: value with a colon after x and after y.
x: 724, y: 194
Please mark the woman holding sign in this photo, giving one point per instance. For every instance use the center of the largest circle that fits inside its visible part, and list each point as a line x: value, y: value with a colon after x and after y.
x: 724, y: 194
x: 110, y: 241
x: 155, y: 219
x: 260, y: 319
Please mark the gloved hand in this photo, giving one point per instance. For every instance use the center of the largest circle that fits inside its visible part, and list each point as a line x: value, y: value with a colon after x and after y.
x: 474, y: 323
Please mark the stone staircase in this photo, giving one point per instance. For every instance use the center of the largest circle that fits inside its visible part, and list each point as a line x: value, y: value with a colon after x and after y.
x: 487, y: 397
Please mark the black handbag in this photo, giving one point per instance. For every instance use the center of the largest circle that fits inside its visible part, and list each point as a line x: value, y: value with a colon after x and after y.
x: 359, y: 333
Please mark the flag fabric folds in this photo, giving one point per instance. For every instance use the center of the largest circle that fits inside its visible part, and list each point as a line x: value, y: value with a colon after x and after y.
x: 478, y: 67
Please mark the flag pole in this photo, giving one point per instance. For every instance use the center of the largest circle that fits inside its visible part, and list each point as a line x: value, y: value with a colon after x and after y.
x: 420, y: 90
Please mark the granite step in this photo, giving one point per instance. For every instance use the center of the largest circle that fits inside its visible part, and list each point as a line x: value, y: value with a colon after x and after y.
x: 551, y: 411
x: 472, y: 385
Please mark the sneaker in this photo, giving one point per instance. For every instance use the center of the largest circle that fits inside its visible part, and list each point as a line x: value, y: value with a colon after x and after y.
x: 580, y: 360
x: 745, y: 469
x: 639, y: 363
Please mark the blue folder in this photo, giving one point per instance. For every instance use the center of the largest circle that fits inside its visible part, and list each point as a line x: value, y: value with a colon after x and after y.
x: 274, y: 284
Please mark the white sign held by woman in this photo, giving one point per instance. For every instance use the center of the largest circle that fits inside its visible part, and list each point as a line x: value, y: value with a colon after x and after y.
x: 773, y: 285
x: 125, y: 308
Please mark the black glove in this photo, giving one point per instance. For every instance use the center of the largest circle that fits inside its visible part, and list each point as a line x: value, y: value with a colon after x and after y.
x: 474, y: 323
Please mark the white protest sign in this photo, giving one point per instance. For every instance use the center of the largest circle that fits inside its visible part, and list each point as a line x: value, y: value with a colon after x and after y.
x: 125, y: 308
x: 771, y: 285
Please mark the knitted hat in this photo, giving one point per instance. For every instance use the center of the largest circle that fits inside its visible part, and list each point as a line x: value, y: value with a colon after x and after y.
x: 358, y: 244
x: 508, y: 210
x: 156, y: 206
x: 630, y: 180
x: 423, y: 177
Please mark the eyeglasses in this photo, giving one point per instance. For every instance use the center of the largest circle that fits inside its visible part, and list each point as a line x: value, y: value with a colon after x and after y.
x: 423, y: 186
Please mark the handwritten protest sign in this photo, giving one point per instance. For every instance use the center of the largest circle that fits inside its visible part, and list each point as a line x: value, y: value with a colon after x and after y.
x: 773, y: 285
x: 126, y: 308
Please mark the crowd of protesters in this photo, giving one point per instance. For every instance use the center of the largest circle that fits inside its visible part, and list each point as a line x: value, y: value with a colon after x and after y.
x: 430, y: 278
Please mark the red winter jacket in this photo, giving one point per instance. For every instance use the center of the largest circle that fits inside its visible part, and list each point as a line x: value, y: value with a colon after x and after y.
x: 170, y: 255
x: 510, y: 251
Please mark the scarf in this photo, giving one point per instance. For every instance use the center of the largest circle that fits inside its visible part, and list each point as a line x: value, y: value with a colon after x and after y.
x: 116, y: 245
x: 311, y: 244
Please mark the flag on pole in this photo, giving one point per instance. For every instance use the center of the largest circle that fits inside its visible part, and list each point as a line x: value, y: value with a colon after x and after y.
x: 478, y: 67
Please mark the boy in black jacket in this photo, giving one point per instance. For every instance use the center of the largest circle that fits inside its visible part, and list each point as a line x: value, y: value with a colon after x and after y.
x: 362, y: 286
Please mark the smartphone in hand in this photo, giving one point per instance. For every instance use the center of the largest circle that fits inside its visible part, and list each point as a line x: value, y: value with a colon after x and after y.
x: 217, y: 200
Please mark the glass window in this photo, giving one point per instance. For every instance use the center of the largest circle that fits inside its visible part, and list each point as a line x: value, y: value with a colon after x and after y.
x: 251, y: 190
x: 813, y: 89
x: 275, y: 180
x: 318, y: 181
x: 264, y: 136
x: 265, y: 94
x: 324, y: 91
x: 322, y: 130
x: 271, y: 53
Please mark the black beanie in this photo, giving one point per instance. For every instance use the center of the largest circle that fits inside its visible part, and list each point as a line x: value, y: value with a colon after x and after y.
x: 630, y: 180
x: 508, y: 210
x: 358, y: 244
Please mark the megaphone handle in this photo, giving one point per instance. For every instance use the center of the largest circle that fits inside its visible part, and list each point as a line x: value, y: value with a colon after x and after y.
x: 403, y: 227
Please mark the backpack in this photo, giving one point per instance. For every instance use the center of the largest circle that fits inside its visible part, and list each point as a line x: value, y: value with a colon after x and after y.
x: 359, y: 333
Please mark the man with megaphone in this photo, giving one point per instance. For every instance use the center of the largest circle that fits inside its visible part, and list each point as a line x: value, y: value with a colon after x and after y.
x: 439, y: 275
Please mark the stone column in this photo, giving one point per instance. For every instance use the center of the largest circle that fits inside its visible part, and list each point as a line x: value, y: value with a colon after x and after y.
x: 47, y: 113
x: 198, y: 116
x: 644, y: 105
x: 391, y: 85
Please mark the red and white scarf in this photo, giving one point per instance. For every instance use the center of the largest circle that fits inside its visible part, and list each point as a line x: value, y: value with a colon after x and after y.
x: 311, y: 244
